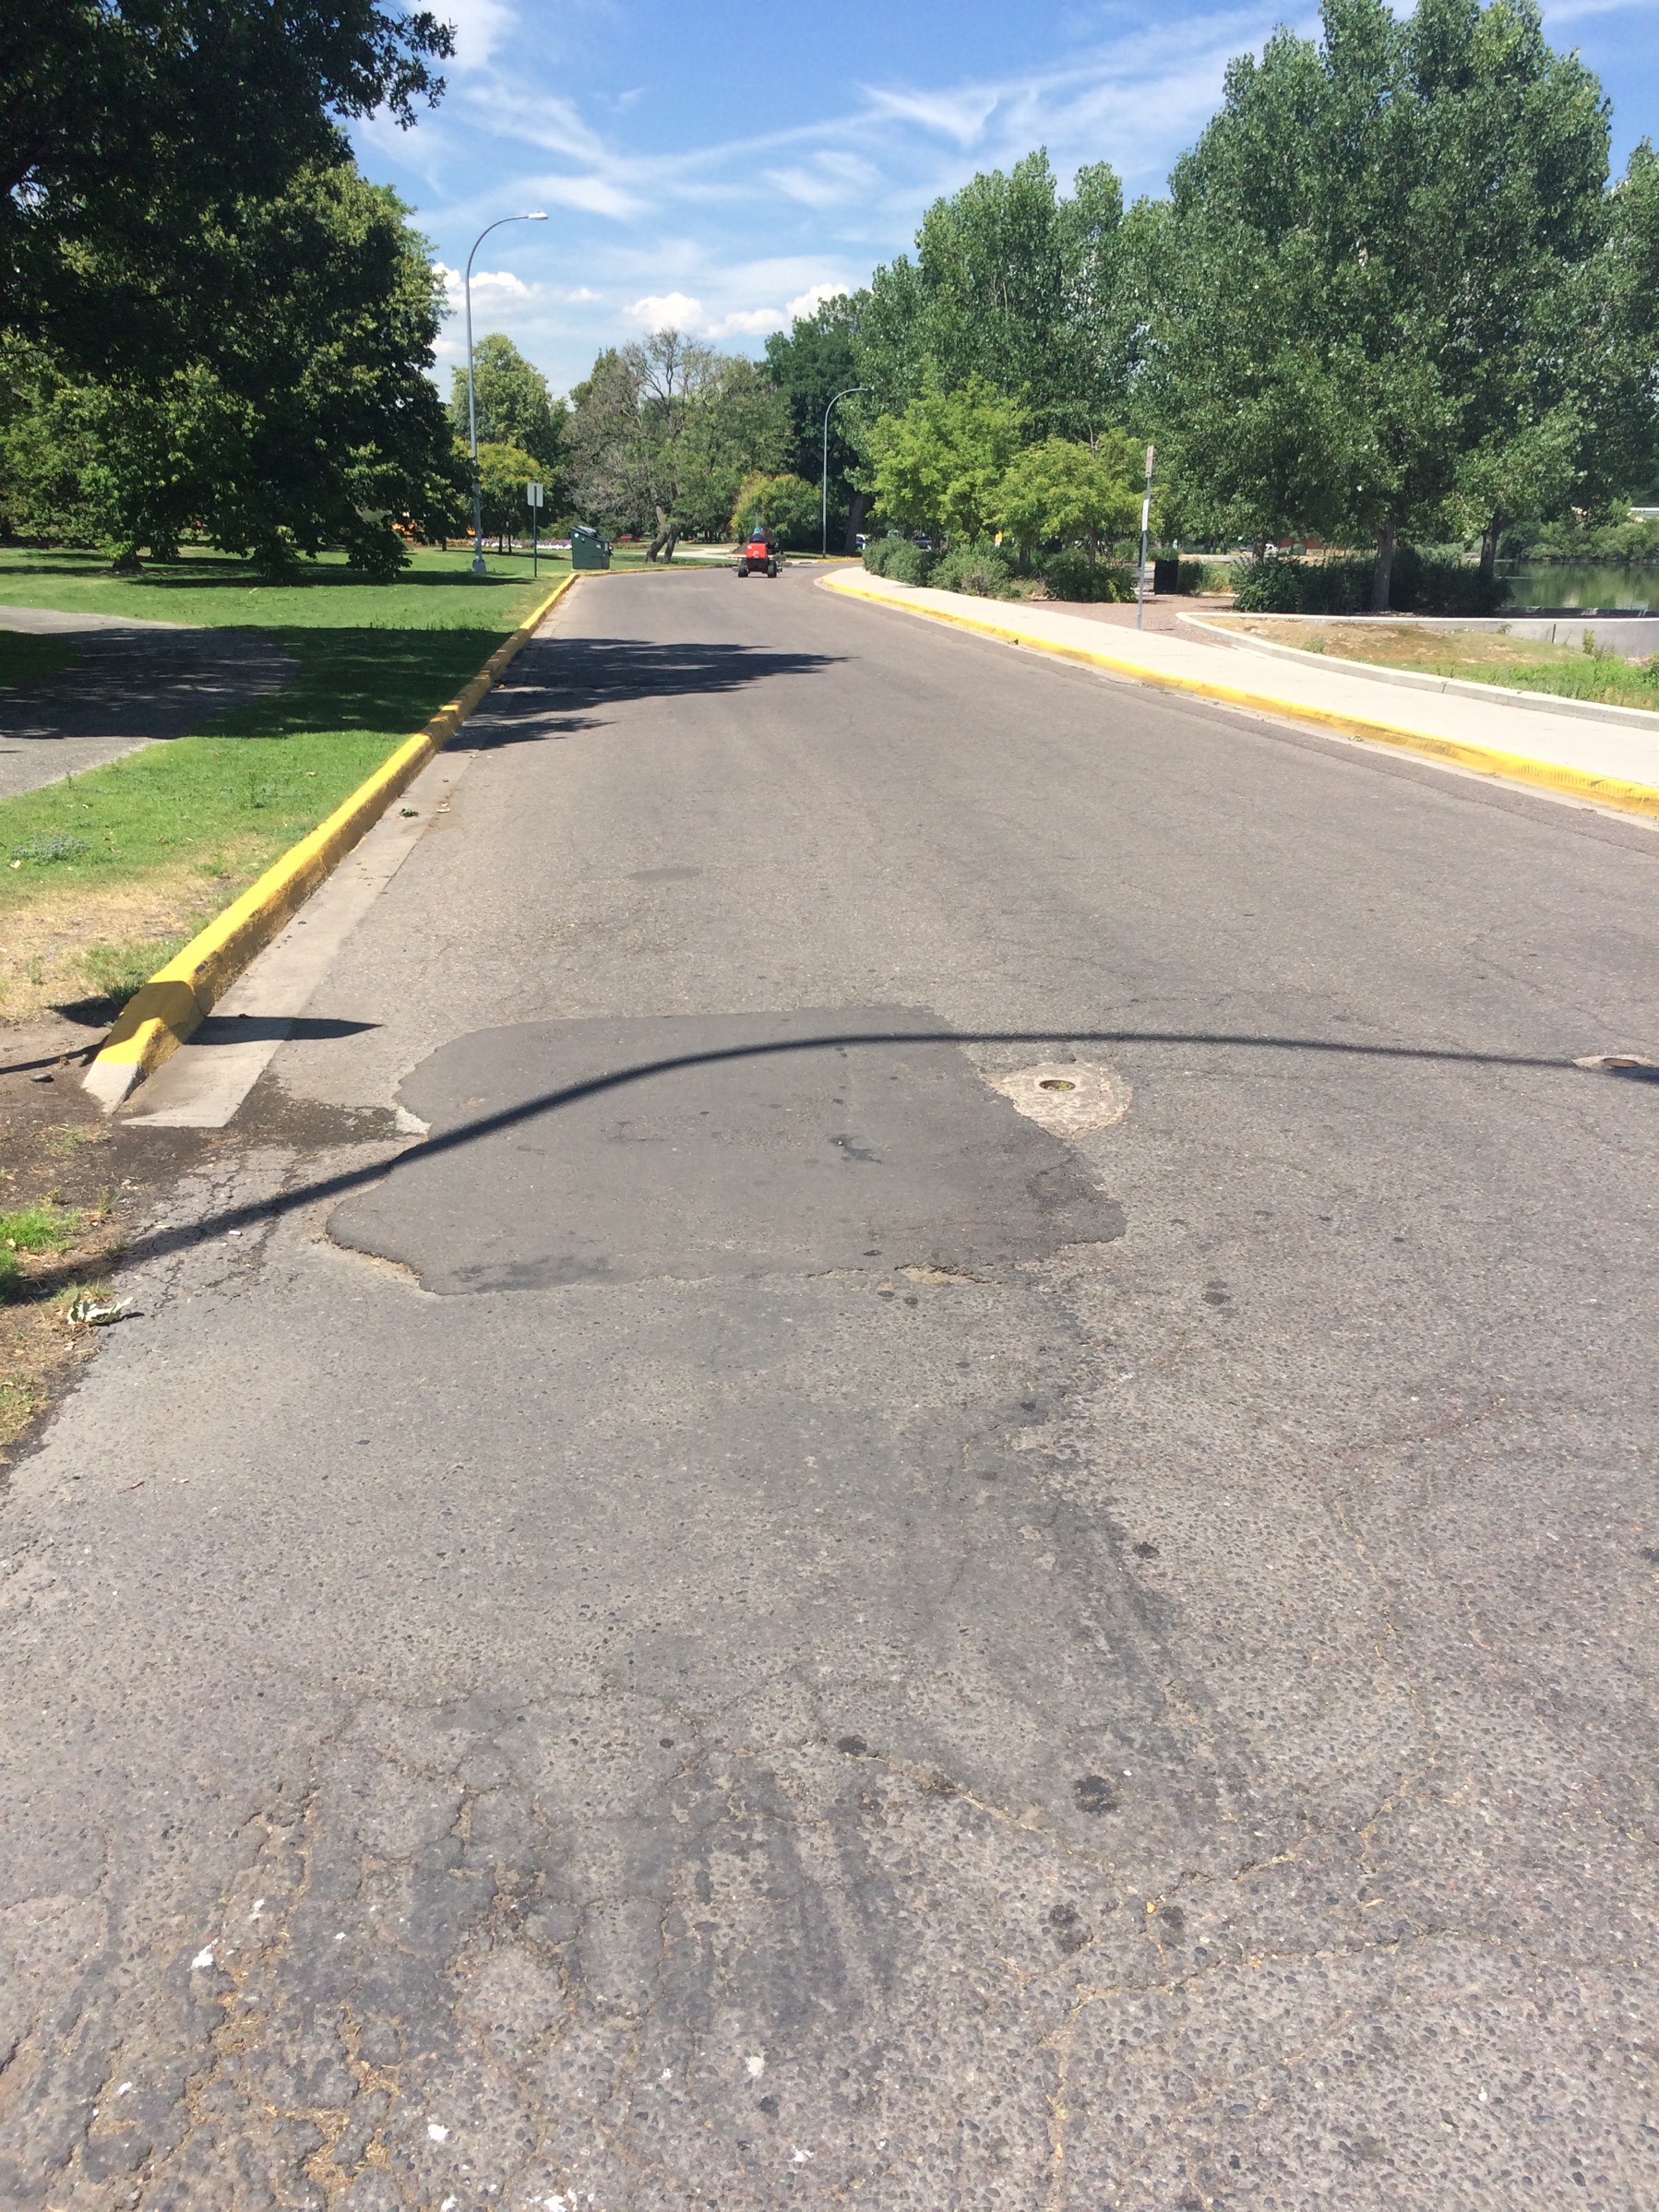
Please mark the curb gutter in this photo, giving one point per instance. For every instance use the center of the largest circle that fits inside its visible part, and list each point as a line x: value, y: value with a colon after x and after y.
x: 179, y: 996
x: 1481, y: 760
x: 1418, y: 679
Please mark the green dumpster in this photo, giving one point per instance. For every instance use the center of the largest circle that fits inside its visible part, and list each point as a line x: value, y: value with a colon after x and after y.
x: 588, y: 549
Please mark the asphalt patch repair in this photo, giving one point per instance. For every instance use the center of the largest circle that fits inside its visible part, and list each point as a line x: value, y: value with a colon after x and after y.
x: 697, y: 1146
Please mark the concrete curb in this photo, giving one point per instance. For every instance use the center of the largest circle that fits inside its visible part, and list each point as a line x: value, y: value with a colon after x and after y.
x: 178, y: 998
x: 1416, y: 679
x: 1481, y: 760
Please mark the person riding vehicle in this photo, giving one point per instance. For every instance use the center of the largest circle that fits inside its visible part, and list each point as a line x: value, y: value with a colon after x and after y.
x: 758, y: 550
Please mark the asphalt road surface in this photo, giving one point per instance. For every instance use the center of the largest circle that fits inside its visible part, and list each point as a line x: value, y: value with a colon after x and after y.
x: 781, y: 1615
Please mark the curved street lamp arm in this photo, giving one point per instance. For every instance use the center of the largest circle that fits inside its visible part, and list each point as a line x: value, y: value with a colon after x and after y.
x: 472, y: 397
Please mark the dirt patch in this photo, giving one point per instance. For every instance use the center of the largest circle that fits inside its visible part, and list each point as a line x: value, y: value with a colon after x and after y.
x: 63, y: 1159
x: 82, y: 947
x: 1405, y: 645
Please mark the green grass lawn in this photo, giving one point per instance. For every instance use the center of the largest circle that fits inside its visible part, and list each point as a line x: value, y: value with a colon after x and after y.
x: 104, y: 874
x: 1479, y: 655
x: 23, y: 656
x: 437, y: 590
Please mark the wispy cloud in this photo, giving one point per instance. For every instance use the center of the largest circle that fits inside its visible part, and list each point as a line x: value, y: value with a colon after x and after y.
x: 732, y: 233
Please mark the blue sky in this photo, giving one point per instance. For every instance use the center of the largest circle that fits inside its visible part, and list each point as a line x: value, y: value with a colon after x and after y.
x: 722, y: 166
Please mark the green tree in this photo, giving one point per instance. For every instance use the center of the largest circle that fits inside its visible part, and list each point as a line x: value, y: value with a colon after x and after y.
x: 809, y: 364
x: 789, y: 506
x: 1015, y: 285
x: 129, y: 133
x: 1378, y: 301
x: 942, y: 462
x: 664, y: 431
x: 313, y: 421
x: 515, y: 406
x: 1075, y: 492
x: 503, y: 472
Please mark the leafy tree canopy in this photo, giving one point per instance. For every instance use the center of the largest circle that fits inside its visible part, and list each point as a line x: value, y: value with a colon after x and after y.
x: 789, y: 506
x: 663, y: 432
x: 942, y: 461
x: 504, y: 470
x: 1014, y: 284
x: 313, y: 423
x: 1075, y: 492
x: 514, y: 404
x: 810, y: 363
x: 1385, y: 295
x: 129, y: 126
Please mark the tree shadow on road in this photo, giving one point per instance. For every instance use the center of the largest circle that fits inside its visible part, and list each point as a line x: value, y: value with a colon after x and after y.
x: 587, y: 672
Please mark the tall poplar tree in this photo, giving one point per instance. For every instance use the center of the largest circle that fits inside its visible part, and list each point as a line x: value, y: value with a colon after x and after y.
x: 1387, y: 295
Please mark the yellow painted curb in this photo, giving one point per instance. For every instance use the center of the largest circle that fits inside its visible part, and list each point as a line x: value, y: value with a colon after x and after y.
x: 156, y: 1020
x: 1484, y: 760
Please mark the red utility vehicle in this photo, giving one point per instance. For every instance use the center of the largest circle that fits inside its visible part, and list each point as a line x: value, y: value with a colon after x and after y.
x: 757, y: 552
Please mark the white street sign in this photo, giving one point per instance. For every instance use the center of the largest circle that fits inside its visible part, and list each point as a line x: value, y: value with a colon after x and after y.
x: 534, y: 494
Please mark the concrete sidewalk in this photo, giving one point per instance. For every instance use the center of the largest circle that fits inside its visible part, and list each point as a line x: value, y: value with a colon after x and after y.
x: 135, y: 683
x: 1607, y: 763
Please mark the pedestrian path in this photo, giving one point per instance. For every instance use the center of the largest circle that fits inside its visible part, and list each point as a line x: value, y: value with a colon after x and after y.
x: 1609, y: 763
x: 133, y: 683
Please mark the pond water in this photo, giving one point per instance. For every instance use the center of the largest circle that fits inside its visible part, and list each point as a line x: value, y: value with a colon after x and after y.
x: 1583, y: 584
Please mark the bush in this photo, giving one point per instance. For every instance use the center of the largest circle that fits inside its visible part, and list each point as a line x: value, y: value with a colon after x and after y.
x: 1420, y: 584
x: 978, y: 570
x: 899, y: 560
x: 1626, y: 541
x: 1071, y: 574
x: 1279, y: 585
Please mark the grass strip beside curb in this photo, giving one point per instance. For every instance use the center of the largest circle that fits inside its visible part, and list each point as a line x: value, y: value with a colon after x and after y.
x: 1483, y: 760
x: 177, y: 998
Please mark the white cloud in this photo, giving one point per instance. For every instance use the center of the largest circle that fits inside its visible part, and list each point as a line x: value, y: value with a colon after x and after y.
x: 593, y: 195
x: 961, y: 115
x: 668, y: 311
x: 749, y: 322
x: 829, y: 180
x: 810, y: 301
x: 496, y: 288
x: 480, y: 27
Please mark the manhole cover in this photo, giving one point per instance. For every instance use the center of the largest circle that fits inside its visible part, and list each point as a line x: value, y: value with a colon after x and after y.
x: 1068, y: 1097
x: 1631, y: 1066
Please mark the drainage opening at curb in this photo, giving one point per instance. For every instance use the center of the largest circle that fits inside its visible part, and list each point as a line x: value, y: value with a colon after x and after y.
x: 1068, y: 1098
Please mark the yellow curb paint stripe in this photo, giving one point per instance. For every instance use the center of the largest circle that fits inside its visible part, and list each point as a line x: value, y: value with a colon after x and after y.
x: 157, y: 1019
x: 1483, y: 760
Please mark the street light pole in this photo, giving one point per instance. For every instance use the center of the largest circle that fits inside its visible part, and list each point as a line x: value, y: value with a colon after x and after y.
x: 827, y: 413
x: 471, y: 403
x: 1146, y: 516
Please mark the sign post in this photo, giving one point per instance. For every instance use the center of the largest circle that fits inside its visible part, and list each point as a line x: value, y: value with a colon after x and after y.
x: 532, y: 493
x: 1146, y: 516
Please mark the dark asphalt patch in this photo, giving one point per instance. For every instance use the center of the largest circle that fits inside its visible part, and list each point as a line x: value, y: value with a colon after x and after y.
x: 757, y: 1143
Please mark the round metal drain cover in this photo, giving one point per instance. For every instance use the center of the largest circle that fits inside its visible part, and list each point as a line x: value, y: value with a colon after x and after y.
x: 1068, y: 1097
x: 1630, y: 1065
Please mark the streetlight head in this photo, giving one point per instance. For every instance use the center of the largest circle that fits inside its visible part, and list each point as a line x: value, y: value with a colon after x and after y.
x: 538, y: 217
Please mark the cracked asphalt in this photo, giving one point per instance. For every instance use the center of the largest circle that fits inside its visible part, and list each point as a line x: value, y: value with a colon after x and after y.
x: 746, y: 1625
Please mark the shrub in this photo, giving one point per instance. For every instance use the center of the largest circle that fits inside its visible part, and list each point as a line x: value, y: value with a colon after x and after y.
x: 1420, y: 584
x: 1071, y: 574
x: 897, y: 559
x: 978, y: 570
